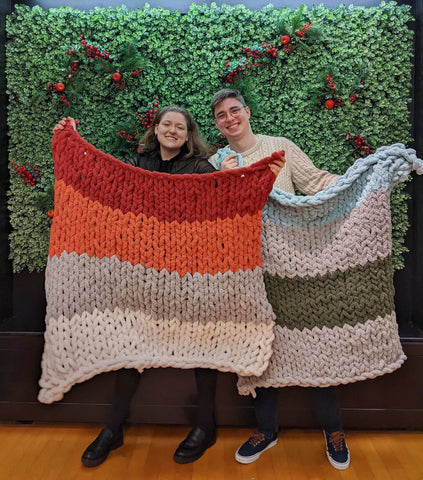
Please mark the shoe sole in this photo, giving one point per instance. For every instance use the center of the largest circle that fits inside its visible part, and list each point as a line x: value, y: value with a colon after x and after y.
x: 252, y: 458
x: 98, y: 461
x: 337, y: 465
x: 183, y: 460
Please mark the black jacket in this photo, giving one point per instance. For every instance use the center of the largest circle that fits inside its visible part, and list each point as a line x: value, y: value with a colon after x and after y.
x: 177, y: 164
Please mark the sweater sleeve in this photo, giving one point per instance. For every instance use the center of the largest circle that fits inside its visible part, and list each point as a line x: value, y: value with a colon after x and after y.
x: 204, y: 166
x: 305, y: 175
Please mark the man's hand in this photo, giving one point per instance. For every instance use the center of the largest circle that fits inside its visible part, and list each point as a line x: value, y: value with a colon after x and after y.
x: 229, y: 162
x: 62, y: 123
x: 277, y: 166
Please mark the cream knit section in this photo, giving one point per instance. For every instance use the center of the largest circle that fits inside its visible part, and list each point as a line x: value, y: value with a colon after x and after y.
x: 330, y: 356
x: 80, y: 347
x: 298, y: 170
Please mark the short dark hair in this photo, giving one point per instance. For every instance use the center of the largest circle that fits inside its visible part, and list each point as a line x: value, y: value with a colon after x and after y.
x: 223, y: 95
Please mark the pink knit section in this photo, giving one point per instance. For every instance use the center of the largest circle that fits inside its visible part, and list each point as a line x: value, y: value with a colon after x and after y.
x: 361, y: 237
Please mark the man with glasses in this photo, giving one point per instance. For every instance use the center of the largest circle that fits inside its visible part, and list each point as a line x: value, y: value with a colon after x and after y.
x: 232, y: 118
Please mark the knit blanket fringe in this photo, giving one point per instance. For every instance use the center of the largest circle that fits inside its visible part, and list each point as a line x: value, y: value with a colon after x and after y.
x: 329, y: 277
x: 148, y: 269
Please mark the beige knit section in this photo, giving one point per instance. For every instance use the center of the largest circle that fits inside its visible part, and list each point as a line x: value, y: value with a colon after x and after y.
x: 298, y: 170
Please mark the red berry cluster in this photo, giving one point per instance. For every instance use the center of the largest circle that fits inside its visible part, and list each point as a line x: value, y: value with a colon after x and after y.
x: 353, y: 98
x: 257, y: 52
x: 29, y: 174
x: 93, y: 52
x: 146, y: 118
x: 304, y: 29
x: 126, y: 136
x: 65, y: 100
x: 137, y: 72
x: 250, y: 52
x: 74, y: 68
x: 269, y: 50
x: 360, y: 143
x: 332, y: 86
x: 231, y: 71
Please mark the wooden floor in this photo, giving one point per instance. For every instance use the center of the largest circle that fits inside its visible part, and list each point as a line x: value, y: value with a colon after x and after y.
x: 52, y: 452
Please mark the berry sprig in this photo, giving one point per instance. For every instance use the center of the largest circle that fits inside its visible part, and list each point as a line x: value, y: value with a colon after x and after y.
x: 131, y: 130
x: 234, y: 68
x: 302, y: 32
x: 257, y: 51
x: 93, y: 52
x: 331, y: 85
x: 136, y: 72
x: 330, y: 89
x: 64, y: 99
x: 359, y: 143
x: 126, y: 136
x: 357, y: 88
x: 294, y: 32
x: 146, y: 117
x: 74, y: 67
x: 250, y: 60
x: 29, y: 173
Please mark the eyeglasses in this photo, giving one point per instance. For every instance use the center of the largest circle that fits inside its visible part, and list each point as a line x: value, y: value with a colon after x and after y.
x: 233, y: 112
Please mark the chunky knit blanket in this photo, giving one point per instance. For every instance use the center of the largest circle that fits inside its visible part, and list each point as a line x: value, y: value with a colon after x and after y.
x: 148, y: 269
x: 328, y: 273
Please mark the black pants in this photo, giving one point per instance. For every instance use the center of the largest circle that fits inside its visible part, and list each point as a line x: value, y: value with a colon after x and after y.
x: 126, y: 384
x: 265, y: 404
x: 324, y: 402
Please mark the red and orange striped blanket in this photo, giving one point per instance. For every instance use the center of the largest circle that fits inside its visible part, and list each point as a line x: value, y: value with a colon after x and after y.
x: 148, y: 269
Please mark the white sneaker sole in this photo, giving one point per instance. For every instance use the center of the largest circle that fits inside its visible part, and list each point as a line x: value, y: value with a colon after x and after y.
x: 337, y: 465
x: 252, y: 458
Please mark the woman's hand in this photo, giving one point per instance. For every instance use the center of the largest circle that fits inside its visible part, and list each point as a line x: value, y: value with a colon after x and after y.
x: 62, y: 123
x: 277, y: 165
x: 229, y: 162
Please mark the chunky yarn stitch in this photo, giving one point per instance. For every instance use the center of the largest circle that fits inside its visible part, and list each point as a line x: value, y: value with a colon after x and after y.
x: 222, y: 153
x: 149, y: 269
x: 328, y: 273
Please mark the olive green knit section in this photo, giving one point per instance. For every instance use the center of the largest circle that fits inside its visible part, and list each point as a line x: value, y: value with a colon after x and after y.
x: 355, y: 296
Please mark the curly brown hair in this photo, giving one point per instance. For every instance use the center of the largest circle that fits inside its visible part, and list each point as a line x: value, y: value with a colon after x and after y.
x: 196, y: 145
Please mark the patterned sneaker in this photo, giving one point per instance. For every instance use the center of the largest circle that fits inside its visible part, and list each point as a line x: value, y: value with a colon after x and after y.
x: 257, y: 444
x: 337, y: 450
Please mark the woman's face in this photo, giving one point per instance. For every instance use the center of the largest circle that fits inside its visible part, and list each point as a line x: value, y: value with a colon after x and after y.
x: 172, y: 133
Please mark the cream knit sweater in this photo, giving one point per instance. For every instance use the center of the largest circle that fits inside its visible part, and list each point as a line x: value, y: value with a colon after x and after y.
x: 298, y: 170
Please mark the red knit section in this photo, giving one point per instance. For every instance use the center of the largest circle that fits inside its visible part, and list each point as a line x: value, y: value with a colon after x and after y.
x: 101, y: 177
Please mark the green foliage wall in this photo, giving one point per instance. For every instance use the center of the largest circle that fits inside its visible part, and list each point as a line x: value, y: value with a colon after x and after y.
x: 182, y: 54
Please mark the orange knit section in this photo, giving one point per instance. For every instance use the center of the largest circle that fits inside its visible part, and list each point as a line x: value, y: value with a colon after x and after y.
x: 86, y: 226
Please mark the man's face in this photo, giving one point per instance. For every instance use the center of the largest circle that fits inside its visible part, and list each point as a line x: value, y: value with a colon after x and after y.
x: 232, y: 118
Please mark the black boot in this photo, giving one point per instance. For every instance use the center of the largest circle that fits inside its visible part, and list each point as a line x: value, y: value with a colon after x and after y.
x: 99, y: 449
x: 193, y: 447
